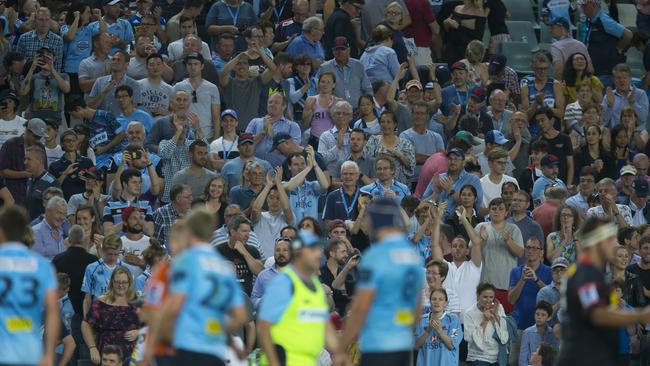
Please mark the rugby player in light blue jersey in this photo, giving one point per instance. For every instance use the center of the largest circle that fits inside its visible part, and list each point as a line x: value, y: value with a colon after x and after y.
x: 27, y: 287
x: 206, y: 303
x: 387, y: 299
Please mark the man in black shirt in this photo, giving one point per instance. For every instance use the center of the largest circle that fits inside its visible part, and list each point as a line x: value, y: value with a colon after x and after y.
x: 244, y: 257
x: 559, y: 144
x: 640, y: 271
x: 590, y: 318
x: 341, y: 24
x: 335, y: 273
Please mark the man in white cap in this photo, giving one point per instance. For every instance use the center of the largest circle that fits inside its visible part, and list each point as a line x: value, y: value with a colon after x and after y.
x: 12, y: 159
x: 591, y: 321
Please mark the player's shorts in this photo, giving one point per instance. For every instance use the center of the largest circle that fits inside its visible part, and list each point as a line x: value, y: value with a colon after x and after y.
x: 197, y: 359
x: 385, y: 359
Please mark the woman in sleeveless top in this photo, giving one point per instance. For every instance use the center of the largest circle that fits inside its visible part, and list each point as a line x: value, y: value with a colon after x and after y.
x: 466, y: 23
x: 316, y: 113
x: 540, y: 90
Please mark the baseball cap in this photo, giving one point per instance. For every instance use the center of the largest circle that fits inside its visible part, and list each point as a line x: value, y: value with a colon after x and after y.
x: 126, y: 213
x: 8, y: 94
x: 560, y: 262
x: 495, y: 137
x: 468, y: 137
x: 112, y: 2
x: 36, y: 126
x: 560, y: 21
x: 341, y: 42
x: 414, y: 83
x: 497, y: 64
x: 549, y: 160
x: 443, y: 75
x: 628, y: 169
x: 478, y: 94
x: 229, y: 112
x: 92, y: 173
x: 334, y: 224
x: 456, y: 151
x: 245, y: 137
x: 51, y: 122
x: 194, y: 56
x: 640, y: 186
x: 429, y: 85
x: 304, y: 239
x: 280, y: 138
x: 458, y: 66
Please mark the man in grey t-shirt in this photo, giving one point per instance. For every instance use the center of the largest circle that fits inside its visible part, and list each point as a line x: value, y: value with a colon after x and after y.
x: 196, y: 176
x: 102, y: 95
x: 154, y: 92
x: 426, y: 142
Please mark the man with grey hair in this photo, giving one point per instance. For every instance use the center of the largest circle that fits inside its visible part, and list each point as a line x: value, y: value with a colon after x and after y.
x: 621, y: 215
x: 342, y: 203
x: 308, y: 42
x: 48, y: 234
x: 47, y: 194
x: 39, y: 179
x: 334, y: 144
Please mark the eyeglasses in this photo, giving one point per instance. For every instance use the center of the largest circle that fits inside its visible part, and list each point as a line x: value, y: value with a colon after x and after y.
x: 194, y: 99
x: 343, y: 114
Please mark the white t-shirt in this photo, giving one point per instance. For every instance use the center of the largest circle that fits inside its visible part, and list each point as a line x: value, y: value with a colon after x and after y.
x: 224, y: 147
x: 268, y: 229
x: 463, y: 280
x: 492, y: 190
x: 13, y: 128
x: 53, y: 154
x: 135, y: 247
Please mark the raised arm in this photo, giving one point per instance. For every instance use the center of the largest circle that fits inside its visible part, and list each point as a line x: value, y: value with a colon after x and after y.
x: 256, y: 207
x: 299, y: 178
x: 284, y: 199
x: 392, y: 89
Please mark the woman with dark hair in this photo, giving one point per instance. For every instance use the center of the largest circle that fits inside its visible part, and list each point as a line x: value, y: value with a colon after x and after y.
x: 635, y: 130
x: 316, y: 114
x: 468, y: 197
x: 87, y: 219
x: 312, y: 225
x: 215, y: 198
x: 620, y: 149
x: 77, y: 37
x: 466, y: 23
x: 593, y: 154
x: 576, y: 69
x: 112, y: 320
x: 83, y: 142
x: 562, y: 242
x: 400, y: 151
x: 301, y: 85
x: 544, y: 356
x: 368, y: 120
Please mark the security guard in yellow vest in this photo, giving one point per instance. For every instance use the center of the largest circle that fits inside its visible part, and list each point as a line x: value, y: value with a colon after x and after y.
x: 293, y: 319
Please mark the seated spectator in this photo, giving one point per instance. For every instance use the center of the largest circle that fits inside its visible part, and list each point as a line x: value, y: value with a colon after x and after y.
x: 221, y: 234
x: 244, y: 257
x: 620, y: 214
x: 563, y: 241
x: 48, y: 234
x: 577, y: 70
x: 549, y: 178
x: 483, y: 342
x: 538, y: 90
x: 131, y: 181
x: 386, y: 184
x: 334, y: 144
x: 180, y: 202
x: 71, y: 167
x: 623, y: 94
x: 268, y: 224
x: 538, y: 333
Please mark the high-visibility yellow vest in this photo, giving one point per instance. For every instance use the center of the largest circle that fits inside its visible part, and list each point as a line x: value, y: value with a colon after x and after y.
x: 301, y: 330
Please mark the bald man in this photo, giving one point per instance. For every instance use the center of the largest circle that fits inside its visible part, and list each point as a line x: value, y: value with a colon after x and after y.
x: 641, y: 163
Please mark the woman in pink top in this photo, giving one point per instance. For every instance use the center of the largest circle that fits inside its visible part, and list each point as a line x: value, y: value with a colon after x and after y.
x: 316, y: 113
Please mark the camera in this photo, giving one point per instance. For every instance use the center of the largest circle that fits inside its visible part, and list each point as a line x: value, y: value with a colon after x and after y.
x: 137, y: 154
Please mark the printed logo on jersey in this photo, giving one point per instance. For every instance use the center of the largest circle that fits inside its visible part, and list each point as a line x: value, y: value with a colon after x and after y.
x: 588, y: 295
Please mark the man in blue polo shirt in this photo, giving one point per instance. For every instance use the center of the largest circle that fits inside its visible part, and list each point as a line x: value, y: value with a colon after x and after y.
x: 386, y: 185
x: 309, y: 42
x: 550, y: 170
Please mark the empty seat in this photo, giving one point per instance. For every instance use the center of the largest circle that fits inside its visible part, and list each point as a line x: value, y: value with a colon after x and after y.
x: 519, y: 56
x: 522, y: 31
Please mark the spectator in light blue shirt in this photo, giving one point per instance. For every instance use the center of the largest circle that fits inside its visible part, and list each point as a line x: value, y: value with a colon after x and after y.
x: 380, y: 60
x: 386, y: 185
x: 120, y: 30
x: 530, y: 339
x: 624, y: 95
x: 282, y: 257
x: 308, y: 42
x: 48, y: 234
x: 586, y: 188
x: 77, y: 37
x: 550, y: 170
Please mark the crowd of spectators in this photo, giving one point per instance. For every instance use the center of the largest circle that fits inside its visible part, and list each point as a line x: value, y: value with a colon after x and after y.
x: 118, y: 118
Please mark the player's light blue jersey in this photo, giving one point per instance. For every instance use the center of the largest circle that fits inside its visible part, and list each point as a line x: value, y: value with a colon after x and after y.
x: 97, y: 277
x: 25, y: 278
x: 395, y: 271
x: 211, y: 290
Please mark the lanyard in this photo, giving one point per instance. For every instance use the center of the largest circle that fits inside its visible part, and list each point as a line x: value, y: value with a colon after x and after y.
x: 233, y: 16
x: 346, y: 74
x: 348, y: 210
x: 226, y: 153
x: 461, y: 101
x: 278, y: 13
